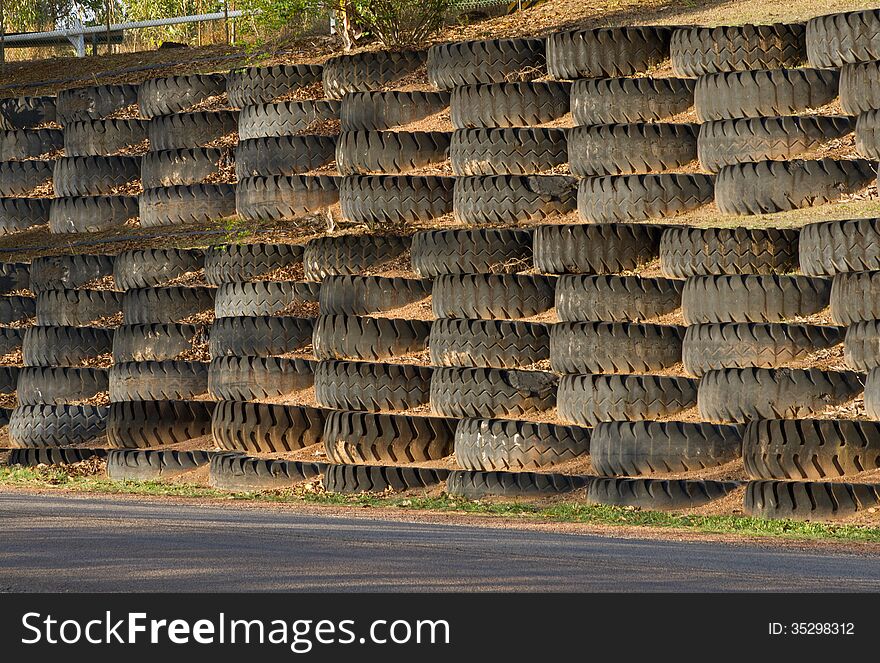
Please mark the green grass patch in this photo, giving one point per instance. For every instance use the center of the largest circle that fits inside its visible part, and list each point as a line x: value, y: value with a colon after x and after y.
x: 560, y: 512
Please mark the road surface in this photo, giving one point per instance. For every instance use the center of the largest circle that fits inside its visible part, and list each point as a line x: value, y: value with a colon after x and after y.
x: 60, y: 543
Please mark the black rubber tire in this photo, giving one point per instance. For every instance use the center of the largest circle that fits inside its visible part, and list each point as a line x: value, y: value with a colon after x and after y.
x: 371, y: 70
x: 230, y: 263
x: 872, y: 394
x: 491, y: 392
x: 767, y: 187
x: 376, y: 111
x: 283, y: 155
x: 65, y: 346
x: 29, y: 143
x: 17, y: 309
x: 499, y: 444
x: 56, y: 425
x: 605, y: 248
x: 380, y: 479
x: 753, y: 345
x: 286, y: 118
x: 622, y: 198
x: 259, y: 298
x: 57, y: 386
x: 763, y: 93
x: 27, y: 112
x: 93, y: 102
x: 103, y: 137
x: 355, y: 385
x: 604, y: 52
x: 260, y: 336
x: 728, y: 142
x: 504, y: 296
x: 854, y: 297
x: 182, y: 167
x: 363, y: 295
x: 91, y: 213
x: 753, y: 298
x: 810, y: 449
x: 488, y: 343
x: 508, y: 104
x: 373, y: 339
x: 153, y: 268
x: 23, y: 213
x: 361, y: 438
x: 475, y: 485
x: 164, y: 305
x: 646, y: 448
x: 351, y: 254
x: 9, y: 383
x: 21, y: 178
x: 280, y: 197
x: 156, y: 342
x: 508, y: 151
x: 615, y: 298
x: 837, y: 39
x: 454, y: 64
x: 265, y: 428
x: 860, y: 87
x: 587, y: 400
x: 78, y: 308
x: 94, y: 176
x: 746, y: 394
x: 808, y: 500
x: 11, y: 340
x: 697, y: 51
x: 862, y: 346
x: 50, y: 456
x: 14, y: 276
x: 658, y: 494
x: 258, y: 378
x: 179, y: 205
x: 158, y: 380
x: 686, y: 252
x: 378, y: 201
x: 629, y: 149
x: 177, y: 94
x: 235, y: 472
x: 511, y: 199
x: 68, y: 271
x: 263, y: 85
x: 627, y: 100
x: 834, y: 247
x: 190, y: 130
x: 390, y: 152
x: 614, y: 347
x: 150, y: 424
x: 868, y: 135
x: 479, y: 251
x: 138, y: 465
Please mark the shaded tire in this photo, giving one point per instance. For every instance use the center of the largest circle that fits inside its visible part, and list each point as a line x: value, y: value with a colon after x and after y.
x: 361, y: 72
x: 833, y: 247
x: 65, y: 346
x: 872, y: 394
x: 658, y: 494
x: 233, y: 471
x: 383, y: 200
x: 362, y: 295
x: 14, y: 276
x: 638, y: 197
x: 836, y: 39
x: 152, y: 268
x: 53, y: 456
x: 454, y: 64
x: 27, y: 112
x: 862, y: 345
x: 491, y: 392
x: 67, y: 272
x: 645, y: 448
x: 499, y: 444
x: 137, y: 465
x: 246, y: 262
x: 629, y: 149
x: 165, y: 305
x: 191, y: 130
x: 94, y: 176
x: 686, y: 252
x: 809, y: 500
x: 606, y: 248
x: 753, y: 345
x: 103, y: 137
x: 351, y: 254
x: 488, y: 343
x: 176, y: 94
x: 504, y: 296
x: 375, y: 111
x: 348, y: 385
x: 626, y: 100
x: 258, y: 378
x: 481, y: 251
x: 29, y: 143
x: 265, y: 428
x: 363, y: 437
x: 259, y: 298
x: 353, y: 337
x: 148, y: 424
x: 854, y: 297
x: 93, y: 102
x: 860, y: 87
x: 378, y: 479
x: 91, y: 213
x: 508, y: 151
x: 475, y: 485
x: 260, y: 336
x: 57, y: 386
x: 157, y: 342
x: 179, y: 205
x: 182, y: 167
x: 23, y: 213
x: 280, y: 197
x: 746, y: 394
x: 22, y: 178
x: 587, y: 400
x: 263, y: 85
x: 56, y: 425
x: 158, y: 380
x: 604, y: 52
x: 285, y: 118
x: 614, y: 347
x: 390, y: 152
x: 509, y: 199
x: 16, y: 309
x: 505, y: 104
x: 283, y: 155
x: 582, y: 298
x: 78, y: 308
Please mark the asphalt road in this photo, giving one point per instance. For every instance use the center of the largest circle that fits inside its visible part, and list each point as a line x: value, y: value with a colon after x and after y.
x: 62, y: 543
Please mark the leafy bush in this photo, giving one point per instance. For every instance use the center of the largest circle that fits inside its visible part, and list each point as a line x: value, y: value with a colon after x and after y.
x: 396, y: 23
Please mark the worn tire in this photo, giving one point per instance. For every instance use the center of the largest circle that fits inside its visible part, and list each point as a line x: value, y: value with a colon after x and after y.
x: 365, y: 437
x: 363, y: 295
x: 862, y: 345
x: 93, y: 102
x: 379, y: 479
x: 65, y: 346
x: 394, y: 200
x: 52, y: 456
x: 24, y: 213
x: 259, y: 298
x: 56, y: 425
x: 658, y: 494
x: 231, y: 263
x: 103, y: 137
x: 283, y: 155
x: 165, y: 305
x: 606, y: 248
x: 258, y: 378
x: 286, y: 118
x: 488, y: 296
x: 29, y: 143
x: 153, y: 268
x: 475, y: 484
x: 349, y: 385
x: 280, y: 197
x: 68, y: 271
x: 374, y: 70
x: 508, y: 151
x: 57, y: 386
x: 182, y: 167
x: 614, y: 347
x: 265, y: 428
x: 639, y: 197
x: 836, y: 39
x: 78, y: 308
x: 94, y: 176
x: 512, y: 199
x: 604, y: 52
x: 351, y: 254
x: 488, y: 343
x: 834, y: 247
x: 809, y: 500
x: 176, y: 94
x: 157, y: 341
x: 149, y: 424
x: 860, y: 87
x: 263, y: 85
x: 27, y: 112
x: 137, y: 465
x: 481, y: 251
x: 854, y: 297
x: 353, y: 337
x: 22, y: 178
x: 508, y: 104
x: 236, y: 472
x: 390, y: 152
x: 260, y: 336
x: 628, y: 100
x: 191, y: 130
x: 376, y: 111
x: 491, y: 392
x: 454, y: 64
x: 158, y: 380
x: 179, y: 205
x: 91, y: 213
x: 629, y: 149
x: 615, y: 298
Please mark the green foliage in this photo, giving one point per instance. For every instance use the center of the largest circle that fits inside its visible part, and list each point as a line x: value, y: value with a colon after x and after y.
x: 287, y: 15
x: 397, y: 23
